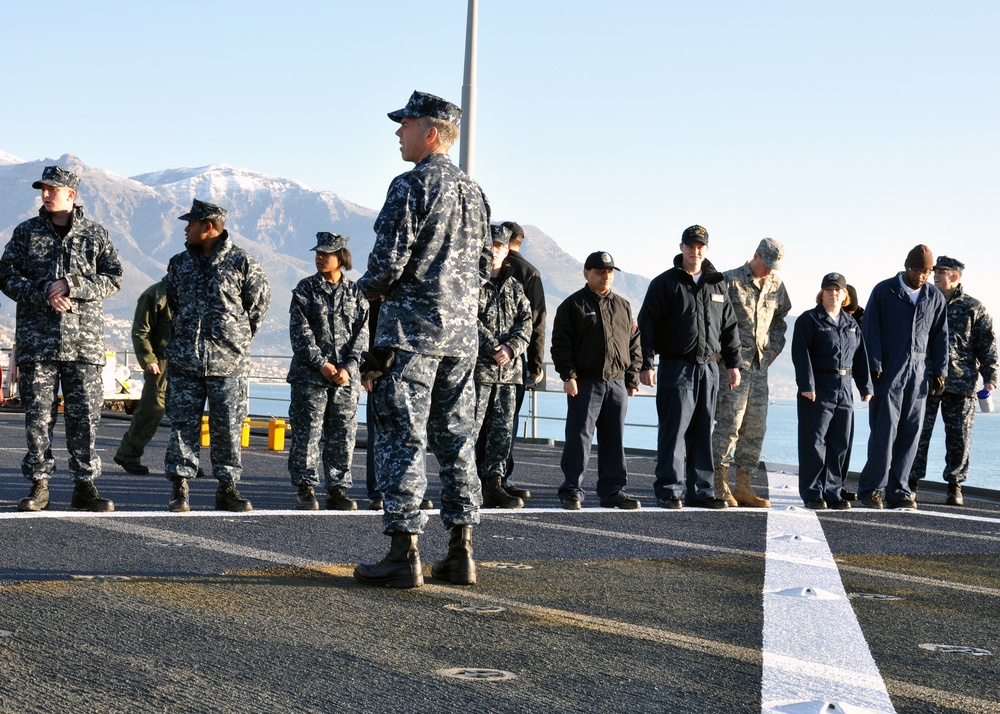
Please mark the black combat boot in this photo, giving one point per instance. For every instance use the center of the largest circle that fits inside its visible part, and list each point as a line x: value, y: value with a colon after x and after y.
x: 337, y: 500
x: 955, y: 494
x: 495, y: 497
x: 458, y: 567
x: 400, y: 568
x: 179, y: 496
x: 227, y: 498
x: 306, y: 498
x: 86, y: 498
x: 37, y: 498
x: 522, y: 493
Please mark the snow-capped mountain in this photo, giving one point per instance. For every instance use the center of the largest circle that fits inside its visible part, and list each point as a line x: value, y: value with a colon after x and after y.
x: 274, y: 218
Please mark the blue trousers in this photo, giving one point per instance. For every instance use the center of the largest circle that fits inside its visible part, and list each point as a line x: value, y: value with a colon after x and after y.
x: 825, y: 429
x: 685, y: 409
x: 895, y: 422
x: 602, y: 405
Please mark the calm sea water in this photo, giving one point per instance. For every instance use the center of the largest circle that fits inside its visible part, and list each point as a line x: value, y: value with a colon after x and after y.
x: 780, y: 443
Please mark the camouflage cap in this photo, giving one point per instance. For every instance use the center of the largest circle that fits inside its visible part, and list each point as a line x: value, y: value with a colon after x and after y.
x: 422, y: 104
x: 600, y: 260
x: 837, y: 279
x: 946, y: 263
x: 515, y: 229
x: 55, y: 176
x: 329, y: 242
x: 203, y: 211
x: 694, y: 234
x: 771, y: 252
x: 501, y: 233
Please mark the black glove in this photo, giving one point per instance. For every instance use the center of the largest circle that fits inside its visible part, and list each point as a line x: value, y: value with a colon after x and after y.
x: 376, y: 363
x: 937, y: 386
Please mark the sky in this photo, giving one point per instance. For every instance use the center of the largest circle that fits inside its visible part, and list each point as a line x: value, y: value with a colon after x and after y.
x: 850, y: 131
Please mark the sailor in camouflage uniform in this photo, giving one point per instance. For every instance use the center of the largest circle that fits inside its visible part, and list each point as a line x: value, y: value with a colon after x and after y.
x: 328, y: 327
x: 59, y: 267
x: 972, y: 352
x: 760, y: 303
x: 218, y: 295
x: 432, y: 253
x: 504, y: 333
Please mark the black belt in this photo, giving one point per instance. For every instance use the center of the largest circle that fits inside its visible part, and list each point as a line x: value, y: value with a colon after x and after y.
x: 841, y: 372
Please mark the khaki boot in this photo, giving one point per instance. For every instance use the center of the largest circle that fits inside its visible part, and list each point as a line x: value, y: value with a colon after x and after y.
x: 400, y: 568
x: 458, y: 567
x: 722, y: 486
x: 744, y: 493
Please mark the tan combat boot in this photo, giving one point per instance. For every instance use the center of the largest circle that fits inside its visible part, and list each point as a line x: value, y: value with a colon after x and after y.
x: 744, y: 493
x: 722, y: 486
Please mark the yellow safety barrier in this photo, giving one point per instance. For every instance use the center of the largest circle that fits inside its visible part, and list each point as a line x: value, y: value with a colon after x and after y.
x: 276, y: 429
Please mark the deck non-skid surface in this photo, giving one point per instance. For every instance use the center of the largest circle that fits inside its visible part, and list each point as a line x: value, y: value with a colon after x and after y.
x: 599, y: 610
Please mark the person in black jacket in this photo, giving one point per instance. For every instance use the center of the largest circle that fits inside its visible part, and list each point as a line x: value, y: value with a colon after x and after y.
x: 595, y: 348
x: 688, y: 320
x: 533, y: 359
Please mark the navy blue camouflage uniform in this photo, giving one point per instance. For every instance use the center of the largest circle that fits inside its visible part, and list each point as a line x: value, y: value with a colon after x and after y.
x: 827, y: 355
x: 60, y: 348
x: 687, y: 324
x: 218, y: 303
x: 972, y: 352
x: 433, y: 250
x: 907, y: 345
x: 504, y: 319
x: 328, y: 323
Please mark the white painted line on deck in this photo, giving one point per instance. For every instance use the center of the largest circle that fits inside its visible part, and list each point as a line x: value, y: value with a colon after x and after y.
x: 810, y: 642
x: 218, y: 546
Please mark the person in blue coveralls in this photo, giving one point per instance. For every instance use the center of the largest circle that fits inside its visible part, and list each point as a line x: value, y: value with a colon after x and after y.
x: 906, y: 336
x: 827, y: 352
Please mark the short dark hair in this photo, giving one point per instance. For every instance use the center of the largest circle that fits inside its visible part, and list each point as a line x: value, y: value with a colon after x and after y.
x: 344, y: 256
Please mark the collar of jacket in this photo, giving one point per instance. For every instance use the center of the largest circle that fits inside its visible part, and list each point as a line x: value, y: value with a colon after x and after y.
x: 709, y: 275
x: 899, y: 292
x: 76, y: 213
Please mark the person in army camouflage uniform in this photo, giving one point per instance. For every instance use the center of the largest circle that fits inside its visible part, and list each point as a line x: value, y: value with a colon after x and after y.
x: 150, y: 331
x: 760, y: 303
x: 328, y: 327
x: 432, y: 253
x: 504, y: 331
x: 972, y: 352
x: 218, y: 295
x: 59, y: 267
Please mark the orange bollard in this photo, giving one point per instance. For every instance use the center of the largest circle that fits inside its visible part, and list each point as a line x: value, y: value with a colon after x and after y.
x: 276, y: 435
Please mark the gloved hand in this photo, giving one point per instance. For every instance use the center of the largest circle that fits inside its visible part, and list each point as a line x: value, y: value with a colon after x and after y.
x: 376, y: 363
x: 937, y: 386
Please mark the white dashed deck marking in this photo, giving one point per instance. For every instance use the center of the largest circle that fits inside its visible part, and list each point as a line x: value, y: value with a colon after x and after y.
x: 814, y: 649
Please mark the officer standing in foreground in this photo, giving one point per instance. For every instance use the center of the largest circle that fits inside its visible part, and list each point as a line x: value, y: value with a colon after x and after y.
x: 687, y: 319
x: 432, y: 252
x: 972, y: 351
x: 533, y: 360
x: 218, y: 295
x: 595, y: 349
x: 150, y: 332
x: 906, y: 335
x: 760, y: 303
x: 59, y: 267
